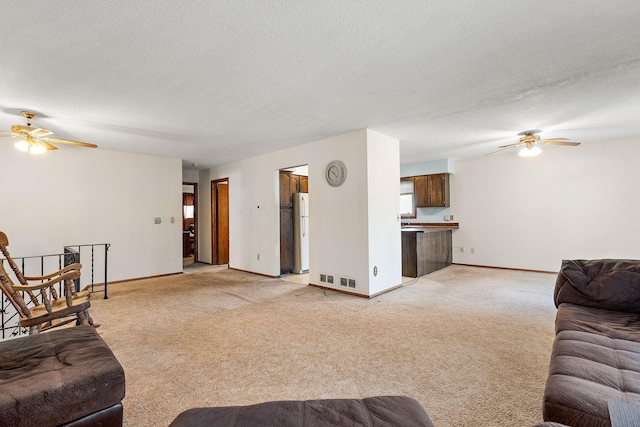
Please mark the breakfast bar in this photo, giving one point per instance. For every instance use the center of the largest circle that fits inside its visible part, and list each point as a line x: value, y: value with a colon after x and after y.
x: 426, y: 248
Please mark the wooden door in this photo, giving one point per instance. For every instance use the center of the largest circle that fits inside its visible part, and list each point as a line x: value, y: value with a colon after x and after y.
x: 220, y: 222
x: 223, y: 223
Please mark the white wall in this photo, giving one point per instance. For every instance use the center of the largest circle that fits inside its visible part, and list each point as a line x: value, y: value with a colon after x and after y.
x: 426, y: 215
x: 567, y: 203
x: 79, y: 196
x: 204, y: 216
x: 339, y: 235
x: 189, y: 175
x: 383, y: 171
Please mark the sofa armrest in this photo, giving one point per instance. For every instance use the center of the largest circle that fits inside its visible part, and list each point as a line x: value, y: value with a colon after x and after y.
x: 610, y: 284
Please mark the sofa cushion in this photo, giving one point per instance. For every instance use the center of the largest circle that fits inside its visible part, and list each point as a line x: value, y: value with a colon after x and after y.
x: 382, y: 411
x: 588, y: 370
x: 57, y: 377
x: 613, y: 324
x: 605, y: 283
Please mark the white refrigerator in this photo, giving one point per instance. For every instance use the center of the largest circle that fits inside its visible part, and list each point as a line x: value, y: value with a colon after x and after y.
x: 300, y: 233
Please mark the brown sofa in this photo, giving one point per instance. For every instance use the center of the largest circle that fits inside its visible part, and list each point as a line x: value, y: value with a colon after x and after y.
x: 67, y: 377
x: 595, y: 359
x: 381, y: 411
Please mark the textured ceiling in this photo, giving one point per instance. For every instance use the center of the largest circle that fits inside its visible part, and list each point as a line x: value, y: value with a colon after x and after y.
x: 214, y: 82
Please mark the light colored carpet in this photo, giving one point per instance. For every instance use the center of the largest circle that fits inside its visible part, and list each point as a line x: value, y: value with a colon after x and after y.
x: 472, y: 345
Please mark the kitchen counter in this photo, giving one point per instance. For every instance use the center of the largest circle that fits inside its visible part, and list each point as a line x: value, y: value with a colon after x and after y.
x: 429, y: 229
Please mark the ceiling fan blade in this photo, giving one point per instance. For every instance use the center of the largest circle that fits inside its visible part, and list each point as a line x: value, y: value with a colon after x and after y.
x: 511, y: 145
x: 548, y: 142
x: 46, y: 144
x: 502, y: 149
x: 39, y: 133
x: 556, y: 139
x: 66, y: 141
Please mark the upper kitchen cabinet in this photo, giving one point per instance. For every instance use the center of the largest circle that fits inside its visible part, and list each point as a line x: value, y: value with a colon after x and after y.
x: 432, y: 191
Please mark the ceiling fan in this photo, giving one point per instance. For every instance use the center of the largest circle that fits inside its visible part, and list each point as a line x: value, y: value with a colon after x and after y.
x: 530, y: 141
x: 36, y: 140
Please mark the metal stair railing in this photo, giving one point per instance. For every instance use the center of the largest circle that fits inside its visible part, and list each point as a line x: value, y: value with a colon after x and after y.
x: 39, y: 265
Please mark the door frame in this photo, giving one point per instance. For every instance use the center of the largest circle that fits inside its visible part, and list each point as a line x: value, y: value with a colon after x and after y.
x: 195, y: 218
x: 214, y: 218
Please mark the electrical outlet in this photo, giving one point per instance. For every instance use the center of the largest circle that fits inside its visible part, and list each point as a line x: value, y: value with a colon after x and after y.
x: 473, y: 250
x: 258, y: 257
x: 173, y: 219
x: 157, y: 220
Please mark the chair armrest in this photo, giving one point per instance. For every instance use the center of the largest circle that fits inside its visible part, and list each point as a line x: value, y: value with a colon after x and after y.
x: 71, y: 275
x: 70, y: 267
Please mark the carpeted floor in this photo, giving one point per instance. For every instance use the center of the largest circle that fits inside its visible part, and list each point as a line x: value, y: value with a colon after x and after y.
x: 472, y: 345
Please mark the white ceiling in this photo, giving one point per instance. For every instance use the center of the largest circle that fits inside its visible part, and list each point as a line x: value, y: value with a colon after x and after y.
x: 214, y: 82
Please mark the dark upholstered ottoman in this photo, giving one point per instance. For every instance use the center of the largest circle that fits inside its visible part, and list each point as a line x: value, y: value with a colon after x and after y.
x: 64, y: 377
x: 382, y: 411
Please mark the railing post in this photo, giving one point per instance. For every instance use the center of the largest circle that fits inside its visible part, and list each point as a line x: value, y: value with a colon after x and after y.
x: 106, y: 249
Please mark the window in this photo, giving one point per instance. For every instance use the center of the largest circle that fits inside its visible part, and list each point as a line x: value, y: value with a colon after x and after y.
x: 407, y: 199
x: 188, y: 201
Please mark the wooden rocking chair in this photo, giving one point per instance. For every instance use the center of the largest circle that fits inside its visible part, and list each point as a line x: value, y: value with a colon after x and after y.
x: 53, y: 310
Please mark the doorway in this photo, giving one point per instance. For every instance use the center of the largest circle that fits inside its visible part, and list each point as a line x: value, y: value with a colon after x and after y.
x: 294, y: 222
x: 220, y: 221
x: 189, y: 223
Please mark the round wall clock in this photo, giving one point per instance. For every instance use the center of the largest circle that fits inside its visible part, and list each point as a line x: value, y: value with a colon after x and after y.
x: 336, y: 173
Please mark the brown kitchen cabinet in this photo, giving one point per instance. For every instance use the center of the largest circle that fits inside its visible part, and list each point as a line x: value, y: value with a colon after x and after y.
x: 432, y: 191
x: 304, y: 184
x: 286, y: 240
x: 286, y: 189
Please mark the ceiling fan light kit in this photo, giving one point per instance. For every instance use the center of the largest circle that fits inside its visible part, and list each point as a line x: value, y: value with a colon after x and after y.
x: 33, y: 147
x: 36, y: 140
x: 530, y: 152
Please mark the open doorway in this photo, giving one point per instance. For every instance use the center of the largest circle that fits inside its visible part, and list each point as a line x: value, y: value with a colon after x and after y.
x: 220, y: 221
x: 189, y: 223
x: 294, y: 223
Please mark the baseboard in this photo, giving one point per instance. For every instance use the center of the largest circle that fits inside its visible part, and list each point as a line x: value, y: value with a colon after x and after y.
x: 253, y: 272
x: 507, y: 268
x: 356, y: 294
x: 342, y: 291
x: 136, y: 278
